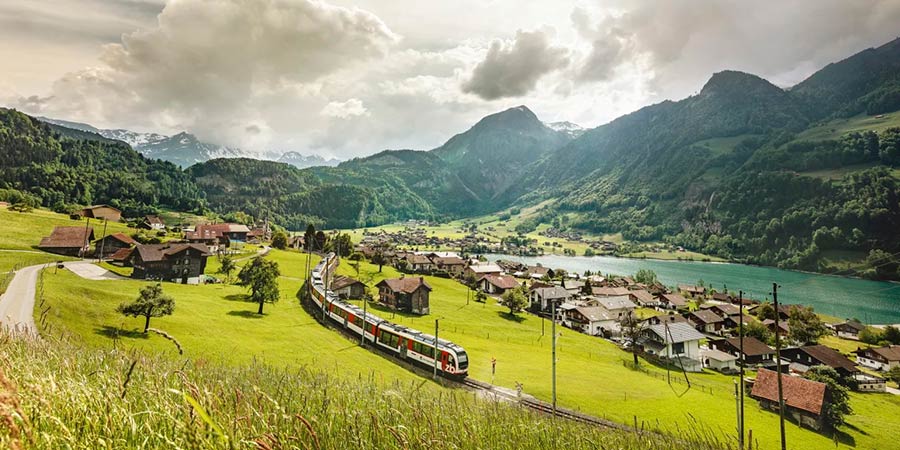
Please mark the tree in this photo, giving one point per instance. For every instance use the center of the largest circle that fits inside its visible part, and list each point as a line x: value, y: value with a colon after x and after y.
x: 834, y: 410
x: 480, y: 296
x: 261, y: 276
x: 587, y: 289
x: 646, y: 276
x: 280, y: 240
x: 759, y: 331
x: 871, y: 335
x: 891, y: 334
x: 515, y: 299
x: 631, y: 327
x: 342, y: 244
x: 894, y: 374
x: 765, y: 311
x: 151, y: 302
x: 378, y: 257
x: 805, y: 326
x: 227, y: 265
x: 309, y: 237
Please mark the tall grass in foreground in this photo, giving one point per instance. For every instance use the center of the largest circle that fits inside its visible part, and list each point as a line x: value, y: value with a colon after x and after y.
x: 55, y: 394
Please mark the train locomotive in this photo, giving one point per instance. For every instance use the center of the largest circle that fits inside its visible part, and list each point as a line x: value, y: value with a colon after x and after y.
x: 402, y: 342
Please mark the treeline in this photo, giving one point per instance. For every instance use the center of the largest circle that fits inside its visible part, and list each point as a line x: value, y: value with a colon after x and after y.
x: 61, y: 173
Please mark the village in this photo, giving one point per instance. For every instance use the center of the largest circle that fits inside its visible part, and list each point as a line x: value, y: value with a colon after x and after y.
x: 689, y: 328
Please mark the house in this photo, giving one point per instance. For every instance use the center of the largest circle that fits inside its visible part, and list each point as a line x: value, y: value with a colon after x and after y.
x: 112, y: 243
x: 849, y: 329
x: 732, y: 322
x: 543, y: 297
x: 182, y: 263
x: 477, y: 270
x: 881, y: 358
x: 69, y: 241
x: 618, y: 307
x: 419, y: 263
x: 573, y: 287
x: 802, y: 358
x: 675, y: 341
x: 643, y: 298
x: 803, y: 399
x: 755, y: 351
x: 497, y: 284
x: 692, y: 291
x: 723, y: 309
x: 664, y: 318
x: 592, y: 320
x: 673, y: 301
x: 869, y: 383
x: 783, y: 328
x: 346, y: 287
x: 539, y: 272
x: 719, y: 360
x: 217, y: 234
x: 609, y: 291
x: 103, y: 212
x: 407, y: 294
x: 153, y: 223
x: 452, y: 264
x: 298, y: 242
x: 706, y: 321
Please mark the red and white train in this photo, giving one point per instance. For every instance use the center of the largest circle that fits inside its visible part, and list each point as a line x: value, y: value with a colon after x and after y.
x: 402, y: 342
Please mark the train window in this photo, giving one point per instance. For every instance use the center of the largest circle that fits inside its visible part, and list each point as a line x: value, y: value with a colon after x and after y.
x: 358, y: 321
x: 389, y: 339
x: 423, y: 349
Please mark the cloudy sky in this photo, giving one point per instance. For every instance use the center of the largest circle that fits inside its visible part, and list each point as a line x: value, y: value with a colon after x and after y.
x: 347, y: 78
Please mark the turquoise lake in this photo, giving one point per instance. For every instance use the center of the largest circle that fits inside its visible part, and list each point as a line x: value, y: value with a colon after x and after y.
x: 872, y: 302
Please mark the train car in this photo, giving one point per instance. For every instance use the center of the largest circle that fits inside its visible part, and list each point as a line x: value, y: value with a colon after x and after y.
x: 405, y: 343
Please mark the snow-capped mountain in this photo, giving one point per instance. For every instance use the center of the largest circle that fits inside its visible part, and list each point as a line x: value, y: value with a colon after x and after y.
x: 300, y: 160
x: 572, y: 129
x: 184, y: 149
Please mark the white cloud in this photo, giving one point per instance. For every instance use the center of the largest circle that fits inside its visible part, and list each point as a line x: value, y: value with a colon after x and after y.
x: 342, y: 110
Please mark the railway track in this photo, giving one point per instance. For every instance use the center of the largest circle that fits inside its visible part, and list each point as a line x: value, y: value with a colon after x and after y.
x: 544, y: 407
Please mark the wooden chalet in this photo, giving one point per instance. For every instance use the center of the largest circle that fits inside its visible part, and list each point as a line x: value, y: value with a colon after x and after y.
x: 346, y: 287
x: 849, y: 329
x: 706, y: 321
x: 804, y: 399
x: 110, y: 244
x: 881, y: 358
x: 183, y: 263
x: 102, y: 212
x: 755, y: 352
x: 497, y: 284
x: 69, y: 241
x: 803, y: 358
x: 153, y: 223
x: 408, y: 294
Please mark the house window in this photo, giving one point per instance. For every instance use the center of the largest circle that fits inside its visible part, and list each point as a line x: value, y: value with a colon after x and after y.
x: 678, y: 348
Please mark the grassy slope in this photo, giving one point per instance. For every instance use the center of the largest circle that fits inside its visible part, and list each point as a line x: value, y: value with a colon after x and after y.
x: 23, y: 231
x: 73, y: 397
x: 592, y: 377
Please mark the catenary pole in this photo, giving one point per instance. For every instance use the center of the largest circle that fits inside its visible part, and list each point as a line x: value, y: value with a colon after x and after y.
x: 741, y: 380
x: 553, y: 352
x: 778, y: 366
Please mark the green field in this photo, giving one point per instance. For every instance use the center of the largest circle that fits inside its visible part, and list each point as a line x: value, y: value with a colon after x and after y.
x: 213, y: 322
x: 23, y: 231
x: 839, y: 127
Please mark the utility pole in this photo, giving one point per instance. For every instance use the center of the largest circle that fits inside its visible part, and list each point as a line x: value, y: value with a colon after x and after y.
x: 778, y: 367
x: 553, y: 352
x: 86, y: 242
x: 437, y: 353
x: 102, y: 241
x: 741, y: 381
x: 362, y: 336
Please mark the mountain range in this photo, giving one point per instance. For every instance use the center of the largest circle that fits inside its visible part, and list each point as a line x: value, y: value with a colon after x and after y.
x: 184, y: 149
x: 803, y: 177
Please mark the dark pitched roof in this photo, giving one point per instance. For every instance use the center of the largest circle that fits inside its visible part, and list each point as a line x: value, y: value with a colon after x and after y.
x: 890, y: 353
x: 501, y: 281
x: 159, y: 252
x: 829, y: 357
x: 406, y: 285
x: 852, y: 324
x: 449, y: 261
x: 705, y: 316
x: 154, y: 220
x: 341, y: 282
x: 798, y: 392
x: 122, y: 254
x: 215, y: 230
x: 121, y: 237
x: 610, y: 291
x: 68, y: 237
x: 752, y: 345
x: 643, y: 296
x: 674, y: 299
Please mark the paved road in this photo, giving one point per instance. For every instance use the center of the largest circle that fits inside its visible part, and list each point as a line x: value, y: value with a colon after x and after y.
x: 90, y: 271
x: 17, y: 304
